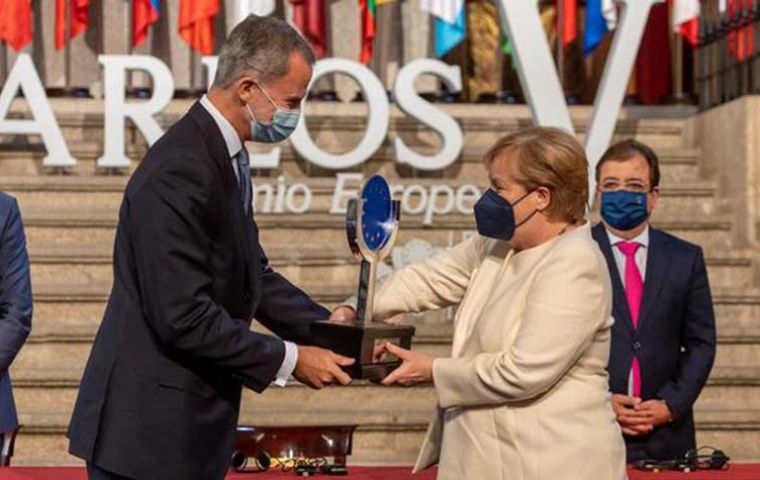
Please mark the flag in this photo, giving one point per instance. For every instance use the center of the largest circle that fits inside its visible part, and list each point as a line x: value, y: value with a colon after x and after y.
x: 506, y: 45
x: 686, y: 19
x: 79, y: 18
x: 16, y: 22
x: 196, y: 24
x: 741, y: 40
x: 653, y: 63
x: 450, y: 23
x: 367, y: 8
x: 601, y: 17
x: 506, y: 49
x: 569, y: 27
x: 144, y: 14
x: 262, y: 8
x: 309, y: 18
x: 449, y: 35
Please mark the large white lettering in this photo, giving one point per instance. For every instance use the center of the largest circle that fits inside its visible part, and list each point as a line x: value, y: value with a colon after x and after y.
x: 377, y: 122
x: 540, y: 81
x: 24, y: 76
x: 117, y: 109
x: 413, y: 105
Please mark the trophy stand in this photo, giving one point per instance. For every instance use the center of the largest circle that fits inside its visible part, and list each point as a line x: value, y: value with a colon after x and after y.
x: 371, y: 226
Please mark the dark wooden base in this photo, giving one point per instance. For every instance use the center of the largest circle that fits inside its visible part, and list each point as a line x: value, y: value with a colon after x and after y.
x: 358, y: 342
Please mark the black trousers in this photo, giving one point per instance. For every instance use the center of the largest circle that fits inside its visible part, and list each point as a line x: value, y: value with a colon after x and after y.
x: 96, y: 473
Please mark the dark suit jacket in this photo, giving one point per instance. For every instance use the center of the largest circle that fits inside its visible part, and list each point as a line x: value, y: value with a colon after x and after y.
x: 675, y: 340
x: 161, y: 391
x: 15, y: 302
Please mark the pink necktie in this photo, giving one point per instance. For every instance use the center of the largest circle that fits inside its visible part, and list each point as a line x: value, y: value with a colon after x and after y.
x: 634, y: 290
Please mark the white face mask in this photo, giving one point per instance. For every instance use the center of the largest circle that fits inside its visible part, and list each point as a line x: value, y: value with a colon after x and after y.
x: 283, y: 124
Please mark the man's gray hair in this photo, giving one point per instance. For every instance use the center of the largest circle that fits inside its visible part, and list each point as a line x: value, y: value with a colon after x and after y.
x: 261, y: 46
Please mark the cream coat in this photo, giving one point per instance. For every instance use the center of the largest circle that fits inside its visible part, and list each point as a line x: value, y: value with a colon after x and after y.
x: 525, y: 394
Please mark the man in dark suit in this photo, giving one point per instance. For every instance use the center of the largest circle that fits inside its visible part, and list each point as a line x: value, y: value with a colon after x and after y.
x: 161, y: 392
x: 663, y: 340
x: 15, y: 310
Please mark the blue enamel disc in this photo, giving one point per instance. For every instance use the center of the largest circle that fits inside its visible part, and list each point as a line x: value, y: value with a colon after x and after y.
x: 377, y: 214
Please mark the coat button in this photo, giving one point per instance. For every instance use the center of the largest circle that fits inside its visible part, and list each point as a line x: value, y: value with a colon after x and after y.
x: 637, y: 346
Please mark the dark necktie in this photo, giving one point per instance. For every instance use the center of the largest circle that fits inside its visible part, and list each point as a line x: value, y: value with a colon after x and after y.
x: 244, y: 179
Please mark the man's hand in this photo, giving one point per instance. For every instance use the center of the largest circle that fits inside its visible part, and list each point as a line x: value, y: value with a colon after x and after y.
x: 632, y: 422
x: 416, y: 367
x: 657, y: 411
x: 637, y: 417
x: 317, y: 367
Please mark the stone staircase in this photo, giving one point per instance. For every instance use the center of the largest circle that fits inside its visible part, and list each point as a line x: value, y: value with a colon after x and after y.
x: 70, y: 219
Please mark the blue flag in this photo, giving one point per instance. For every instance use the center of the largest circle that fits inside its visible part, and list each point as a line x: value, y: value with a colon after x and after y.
x: 596, y: 26
x: 449, y: 35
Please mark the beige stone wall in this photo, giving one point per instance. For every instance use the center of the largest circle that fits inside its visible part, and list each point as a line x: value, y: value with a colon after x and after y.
x: 729, y: 138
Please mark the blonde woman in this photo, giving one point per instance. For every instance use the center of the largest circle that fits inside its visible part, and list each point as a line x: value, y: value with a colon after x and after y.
x: 524, y: 395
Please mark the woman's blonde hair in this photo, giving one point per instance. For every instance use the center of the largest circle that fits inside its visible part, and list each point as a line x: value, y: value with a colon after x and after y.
x: 552, y: 158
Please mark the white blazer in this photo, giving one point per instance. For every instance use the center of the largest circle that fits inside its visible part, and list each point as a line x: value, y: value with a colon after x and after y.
x: 524, y: 395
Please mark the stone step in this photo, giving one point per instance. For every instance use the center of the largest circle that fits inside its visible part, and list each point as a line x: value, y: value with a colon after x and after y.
x: 81, y: 122
x: 308, y: 266
x: 381, y: 438
x: 71, y: 353
x: 727, y: 388
x: 335, y: 127
x: 91, y: 264
x: 677, y: 165
x: 733, y: 388
x: 77, y: 310
x: 47, y: 353
x: 395, y: 435
x: 685, y: 199
x: 67, y: 227
x: 69, y: 315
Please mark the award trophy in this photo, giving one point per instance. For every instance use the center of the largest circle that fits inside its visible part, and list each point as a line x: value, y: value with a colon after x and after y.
x: 371, y: 225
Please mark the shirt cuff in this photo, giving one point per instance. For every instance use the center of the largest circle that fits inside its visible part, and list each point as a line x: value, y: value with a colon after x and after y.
x: 288, y: 364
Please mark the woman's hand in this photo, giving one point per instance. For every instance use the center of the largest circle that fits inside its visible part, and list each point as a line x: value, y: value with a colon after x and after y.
x: 415, y: 368
x: 344, y: 314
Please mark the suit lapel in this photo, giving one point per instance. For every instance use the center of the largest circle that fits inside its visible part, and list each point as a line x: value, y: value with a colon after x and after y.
x: 243, y: 225
x: 620, y: 302
x: 657, y: 266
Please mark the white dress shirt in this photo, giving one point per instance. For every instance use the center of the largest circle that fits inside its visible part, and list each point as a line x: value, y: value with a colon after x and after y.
x: 234, y: 145
x: 641, y: 261
x: 641, y: 254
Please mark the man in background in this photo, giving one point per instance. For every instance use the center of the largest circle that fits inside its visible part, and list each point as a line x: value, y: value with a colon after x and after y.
x: 15, y: 311
x: 663, y: 340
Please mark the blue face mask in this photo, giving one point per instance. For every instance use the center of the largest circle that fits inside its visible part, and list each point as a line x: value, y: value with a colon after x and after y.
x: 624, y: 209
x: 283, y: 124
x: 495, y: 216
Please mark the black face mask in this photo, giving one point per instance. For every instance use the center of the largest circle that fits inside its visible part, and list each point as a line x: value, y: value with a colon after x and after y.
x: 495, y: 217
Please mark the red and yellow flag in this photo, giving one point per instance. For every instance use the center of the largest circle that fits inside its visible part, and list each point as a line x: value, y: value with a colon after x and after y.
x: 16, y: 23
x: 196, y: 24
x: 79, y: 18
x: 368, y: 8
